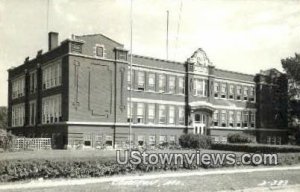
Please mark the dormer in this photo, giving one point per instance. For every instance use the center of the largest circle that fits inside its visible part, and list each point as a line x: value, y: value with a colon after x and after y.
x: 199, y: 62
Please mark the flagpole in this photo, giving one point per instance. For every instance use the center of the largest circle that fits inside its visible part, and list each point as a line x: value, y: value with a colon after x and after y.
x: 131, y: 80
x: 167, y: 42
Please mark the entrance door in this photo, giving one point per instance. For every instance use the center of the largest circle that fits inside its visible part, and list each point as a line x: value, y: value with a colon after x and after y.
x: 200, y: 120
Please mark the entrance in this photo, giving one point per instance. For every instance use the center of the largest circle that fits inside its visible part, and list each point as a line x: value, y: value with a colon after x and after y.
x: 200, y: 122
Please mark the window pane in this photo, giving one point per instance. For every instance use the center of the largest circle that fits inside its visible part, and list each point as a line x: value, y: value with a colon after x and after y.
x: 162, y: 83
x: 151, y: 82
x: 171, y: 114
x: 171, y: 84
x: 162, y: 114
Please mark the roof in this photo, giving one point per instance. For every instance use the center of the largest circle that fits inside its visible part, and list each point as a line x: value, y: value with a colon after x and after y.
x: 155, y: 59
x: 233, y: 75
x: 100, y: 34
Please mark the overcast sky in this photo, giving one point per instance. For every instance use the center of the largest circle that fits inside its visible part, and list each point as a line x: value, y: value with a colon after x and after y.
x: 244, y: 36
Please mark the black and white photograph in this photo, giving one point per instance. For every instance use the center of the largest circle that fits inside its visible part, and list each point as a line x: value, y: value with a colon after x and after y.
x: 149, y: 95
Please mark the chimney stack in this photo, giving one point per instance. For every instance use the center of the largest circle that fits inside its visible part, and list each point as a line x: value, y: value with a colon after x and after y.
x: 52, y: 40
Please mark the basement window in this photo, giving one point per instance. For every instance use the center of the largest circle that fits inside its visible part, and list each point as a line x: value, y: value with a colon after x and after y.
x: 87, y: 143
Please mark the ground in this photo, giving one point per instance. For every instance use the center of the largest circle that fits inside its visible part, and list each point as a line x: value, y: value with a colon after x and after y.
x: 251, y: 179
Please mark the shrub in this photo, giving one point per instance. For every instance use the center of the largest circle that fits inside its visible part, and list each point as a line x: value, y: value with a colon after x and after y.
x: 256, y: 148
x: 239, y: 138
x: 194, y: 141
x: 6, y: 141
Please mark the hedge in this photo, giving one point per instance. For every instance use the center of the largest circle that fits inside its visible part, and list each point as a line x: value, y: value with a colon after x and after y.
x: 194, y: 141
x: 256, y: 148
x: 48, y: 169
x: 239, y: 138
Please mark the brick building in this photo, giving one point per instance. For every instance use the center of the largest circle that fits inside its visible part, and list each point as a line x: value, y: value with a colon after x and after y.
x: 79, y: 92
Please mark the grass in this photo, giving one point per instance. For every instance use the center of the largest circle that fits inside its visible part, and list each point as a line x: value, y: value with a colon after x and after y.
x: 82, y: 154
x: 58, y: 155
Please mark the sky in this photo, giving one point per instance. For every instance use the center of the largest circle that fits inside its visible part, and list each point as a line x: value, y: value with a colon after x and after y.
x: 240, y: 35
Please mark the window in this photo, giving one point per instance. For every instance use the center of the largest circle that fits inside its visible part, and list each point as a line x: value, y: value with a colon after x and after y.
x: 52, y: 75
x: 278, y: 140
x: 108, y: 140
x: 216, y: 139
x: 162, y: 83
x: 171, y: 84
x: 152, y: 140
x: 162, y: 139
x: 180, y: 85
x: 273, y: 140
x: 252, y: 119
x: 129, y: 78
x: 224, y: 139
x: 100, y: 51
x: 268, y: 139
x: 245, y: 118
x: 216, y: 89
x: 141, y: 140
x: 171, y: 114
x: 87, y: 138
x: 151, y: 82
x: 181, y: 114
x: 122, y: 55
x: 216, y: 118
x: 18, y: 115
x: 141, y: 80
x: 223, y: 90
x: 197, y: 118
x: 245, y: 93
x: 231, y: 118
x: 129, y: 112
x: 231, y: 92
x: 33, y: 82
x: 238, y: 118
x: 151, y: 113
x: 140, y: 112
x: 18, y: 87
x: 32, y: 112
x: 51, y: 109
x: 162, y: 114
x: 172, y: 140
x: 238, y: 92
x: 223, y: 118
x: 200, y: 87
x: 252, y: 94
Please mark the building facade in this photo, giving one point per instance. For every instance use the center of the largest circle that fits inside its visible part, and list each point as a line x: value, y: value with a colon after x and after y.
x: 84, y: 91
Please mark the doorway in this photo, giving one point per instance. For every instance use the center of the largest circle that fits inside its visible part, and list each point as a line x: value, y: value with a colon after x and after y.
x: 200, y: 123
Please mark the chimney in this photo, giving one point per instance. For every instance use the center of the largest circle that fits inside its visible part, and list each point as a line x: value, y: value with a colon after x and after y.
x: 52, y: 40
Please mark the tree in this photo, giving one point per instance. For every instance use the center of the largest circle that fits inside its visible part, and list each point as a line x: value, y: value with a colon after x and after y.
x: 3, y: 117
x: 291, y: 65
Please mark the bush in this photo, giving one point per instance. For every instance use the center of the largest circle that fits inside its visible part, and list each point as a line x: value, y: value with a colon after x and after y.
x: 194, y: 141
x: 256, y: 148
x: 6, y: 140
x: 239, y: 138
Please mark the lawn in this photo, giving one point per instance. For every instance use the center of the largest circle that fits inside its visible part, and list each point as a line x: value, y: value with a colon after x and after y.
x: 58, y: 155
x: 83, y: 154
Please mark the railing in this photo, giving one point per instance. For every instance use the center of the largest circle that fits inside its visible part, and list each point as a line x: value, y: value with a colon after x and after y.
x: 31, y: 143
